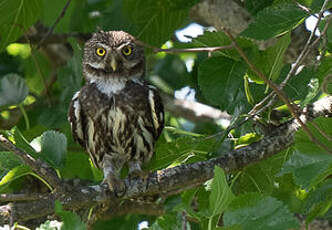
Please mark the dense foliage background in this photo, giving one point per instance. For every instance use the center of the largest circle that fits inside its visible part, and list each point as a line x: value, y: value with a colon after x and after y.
x: 40, y: 72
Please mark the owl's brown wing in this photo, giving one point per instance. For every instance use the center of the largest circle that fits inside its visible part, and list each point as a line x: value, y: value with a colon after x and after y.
x: 157, y: 111
x: 76, y: 119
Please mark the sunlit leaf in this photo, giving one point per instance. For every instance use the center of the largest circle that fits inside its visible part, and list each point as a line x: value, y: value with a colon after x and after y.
x: 52, y: 147
x: 275, y: 20
x: 14, y: 174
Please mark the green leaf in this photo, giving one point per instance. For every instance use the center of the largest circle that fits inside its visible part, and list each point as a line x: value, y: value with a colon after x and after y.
x: 13, y: 90
x: 254, y: 6
x: 261, y: 176
x: 8, y: 161
x: 253, y: 211
x: 310, y: 164
x: 297, y: 87
x: 15, y: 173
x: 270, y: 61
x: 221, y: 82
x: 52, y: 147
x: 170, y: 221
x: 274, y: 21
x: 319, y: 201
x: 70, y: 76
x: 173, y: 71
x: 324, y: 68
x: 221, y: 194
x: 17, y: 17
x: 181, y: 150
x: 71, y: 221
x: 77, y: 166
x: 21, y: 142
x: 155, y: 21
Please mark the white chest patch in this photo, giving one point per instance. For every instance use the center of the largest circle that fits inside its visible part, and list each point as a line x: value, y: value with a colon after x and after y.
x: 111, y: 86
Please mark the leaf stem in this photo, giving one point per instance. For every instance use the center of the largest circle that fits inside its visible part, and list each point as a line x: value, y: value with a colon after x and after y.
x: 42, y: 180
x: 210, y: 223
x: 26, y: 118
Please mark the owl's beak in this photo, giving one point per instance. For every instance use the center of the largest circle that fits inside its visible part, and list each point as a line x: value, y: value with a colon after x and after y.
x: 113, y: 63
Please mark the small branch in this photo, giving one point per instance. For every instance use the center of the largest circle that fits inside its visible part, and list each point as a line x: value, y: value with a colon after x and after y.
x: 50, y: 31
x: 192, y: 50
x: 47, y: 173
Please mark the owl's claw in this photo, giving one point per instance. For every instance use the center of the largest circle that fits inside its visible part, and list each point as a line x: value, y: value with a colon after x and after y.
x: 116, y: 185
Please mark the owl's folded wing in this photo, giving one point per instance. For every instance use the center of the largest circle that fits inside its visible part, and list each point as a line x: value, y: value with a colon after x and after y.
x: 157, y: 111
x: 76, y: 119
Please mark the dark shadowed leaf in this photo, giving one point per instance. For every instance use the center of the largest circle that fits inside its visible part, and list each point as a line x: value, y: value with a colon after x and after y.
x: 13, y: 90
x: 8, y: 161
x: 254, y: 6
x: 275, y: 20
x: 17, y: 17
x: 318, y: 201
x: 70, y: 76
x: 254, y: 211
x: 52, y: 147
x: 221, y: 82
x: 181, y: 150
x: 173, y: 71
x: 297, y: 87
x: 310, y: 164
x: 270, y: 61
x: 155, y: 21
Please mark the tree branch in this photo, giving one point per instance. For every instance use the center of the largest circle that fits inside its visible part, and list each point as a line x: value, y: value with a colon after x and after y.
x: 193, y: 111
x: 37, y: 166
x: 170, y: 180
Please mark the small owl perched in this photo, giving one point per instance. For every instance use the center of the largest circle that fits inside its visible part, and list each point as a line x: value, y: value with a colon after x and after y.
x: 116, y: 116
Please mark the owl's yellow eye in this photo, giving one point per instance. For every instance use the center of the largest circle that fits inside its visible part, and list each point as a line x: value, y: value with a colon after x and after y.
x: 126, y: 50
x: 100, y: 51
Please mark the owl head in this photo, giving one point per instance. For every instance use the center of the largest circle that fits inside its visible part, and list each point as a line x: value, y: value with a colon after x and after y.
x: 112, y: 55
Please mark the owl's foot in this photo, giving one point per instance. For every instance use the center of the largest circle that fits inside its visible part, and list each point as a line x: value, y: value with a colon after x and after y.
x: 135, y: 171
x: 115, y: 185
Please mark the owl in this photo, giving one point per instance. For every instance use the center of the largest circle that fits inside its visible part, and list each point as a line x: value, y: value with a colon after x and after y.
x: 116, y: 116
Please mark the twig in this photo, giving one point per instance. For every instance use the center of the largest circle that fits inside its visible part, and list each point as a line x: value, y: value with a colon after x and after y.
x: 186, y: 50
x: 192, y: 50
x: 35, y: 165
x: 50, y: 31
x: 279, y: 92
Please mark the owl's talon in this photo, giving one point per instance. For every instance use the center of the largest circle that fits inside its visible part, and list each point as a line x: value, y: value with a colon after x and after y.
x: 116, y: 185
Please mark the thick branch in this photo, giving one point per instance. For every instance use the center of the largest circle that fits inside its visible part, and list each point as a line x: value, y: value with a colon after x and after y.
x: 170, y: 180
